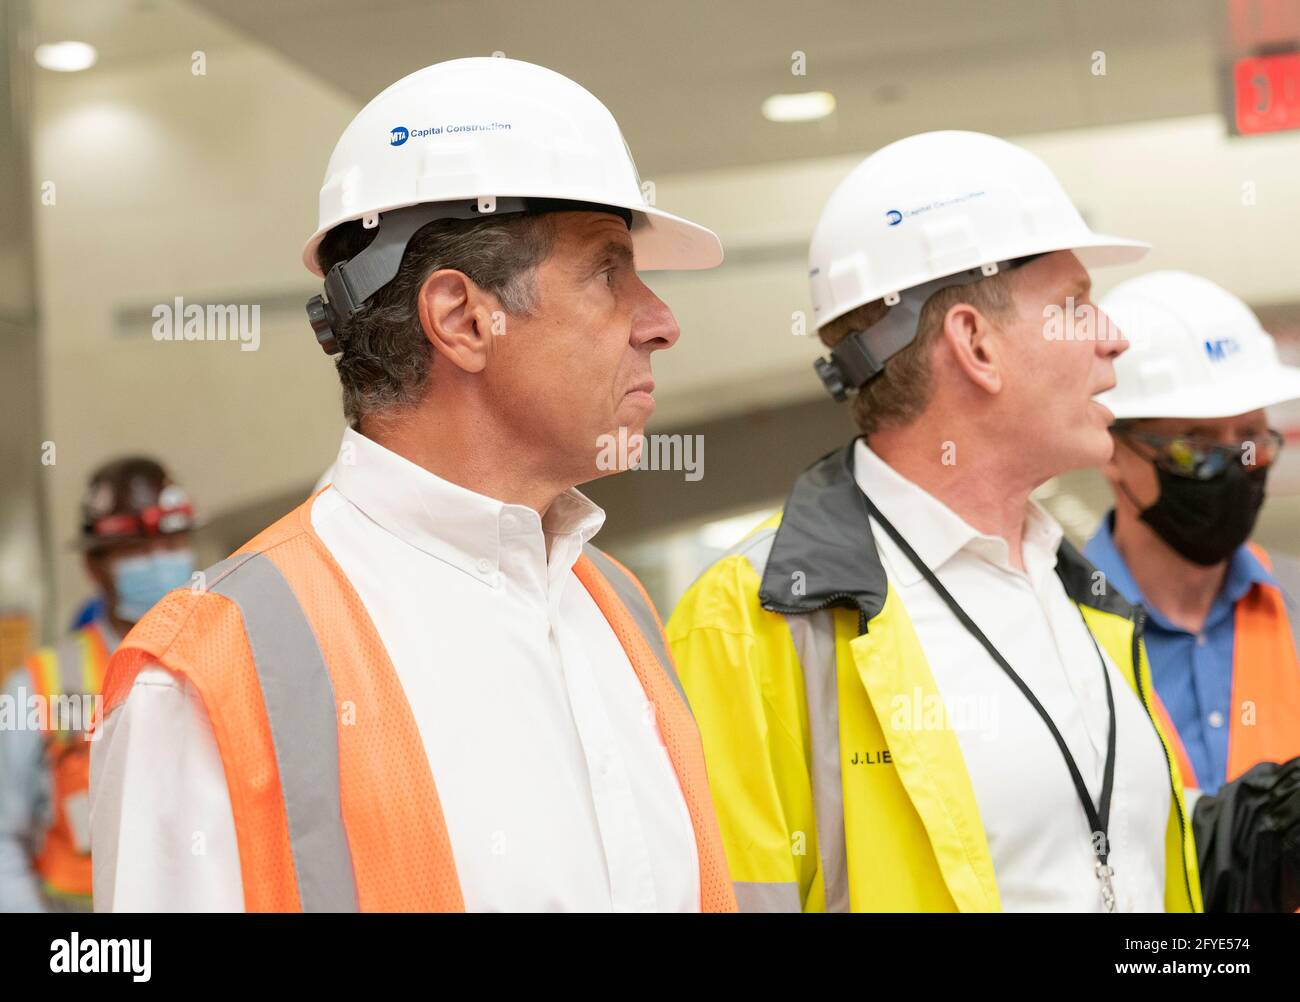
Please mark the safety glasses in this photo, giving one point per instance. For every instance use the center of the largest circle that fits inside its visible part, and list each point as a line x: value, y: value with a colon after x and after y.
x: 1202, y: 459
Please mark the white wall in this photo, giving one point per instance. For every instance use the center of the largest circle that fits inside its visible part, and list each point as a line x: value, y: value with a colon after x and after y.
x: 166, y: 185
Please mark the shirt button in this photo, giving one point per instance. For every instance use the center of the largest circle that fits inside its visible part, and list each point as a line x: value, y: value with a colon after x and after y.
x: 507, y: 521
x: 484, y: 565
x: 1200, y: 640
x: 1215, y: 718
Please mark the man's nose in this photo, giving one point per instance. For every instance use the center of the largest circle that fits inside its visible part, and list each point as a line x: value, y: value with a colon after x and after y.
x: 654, y: 326
x: 1229, y: 435
x: 1112, y: 342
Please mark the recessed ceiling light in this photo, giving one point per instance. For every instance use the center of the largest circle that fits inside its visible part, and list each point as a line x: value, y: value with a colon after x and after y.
x: 66, y: 57
x: 807, y: 107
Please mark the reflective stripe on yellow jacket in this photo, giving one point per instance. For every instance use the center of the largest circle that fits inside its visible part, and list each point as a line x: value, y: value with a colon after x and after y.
x: 793, y: 652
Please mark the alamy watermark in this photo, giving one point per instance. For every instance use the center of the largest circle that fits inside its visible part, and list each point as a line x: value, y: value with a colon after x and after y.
x: 181, y: 321
x: 975, y: 713
x: 635, y: 451
x: 1081, y: 322
x: 75, y: 955
x: 31, y: 711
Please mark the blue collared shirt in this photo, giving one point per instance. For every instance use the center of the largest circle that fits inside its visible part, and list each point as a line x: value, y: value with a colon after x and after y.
x: 1192, y: 672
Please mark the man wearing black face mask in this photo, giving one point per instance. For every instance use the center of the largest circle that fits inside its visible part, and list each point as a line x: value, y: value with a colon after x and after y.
x: 1193, y: 450
x: 1192, y: 455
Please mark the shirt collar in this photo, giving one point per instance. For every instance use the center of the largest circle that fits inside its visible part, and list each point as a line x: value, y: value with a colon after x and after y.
x: 1244, y: 572
x: 935, y: 531
x: 824, y: 525
x: 443, y: 519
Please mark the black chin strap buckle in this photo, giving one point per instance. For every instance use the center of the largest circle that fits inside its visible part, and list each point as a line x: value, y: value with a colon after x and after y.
x: 832, y: 378
x: 324, y: 312
x: 850, y: 366
x: 322, y: 319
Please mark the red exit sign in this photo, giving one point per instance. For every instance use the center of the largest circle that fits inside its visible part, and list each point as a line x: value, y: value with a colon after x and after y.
x: 1266, y: 91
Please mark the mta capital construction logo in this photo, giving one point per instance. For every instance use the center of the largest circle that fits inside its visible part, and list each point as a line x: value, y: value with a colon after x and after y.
x: 1221, y: 348
x: 895, y: 216
x: 398, y: 135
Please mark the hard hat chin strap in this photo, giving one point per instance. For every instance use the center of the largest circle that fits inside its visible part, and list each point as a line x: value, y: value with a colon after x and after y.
x: 861, y: 355
x: 350, y: 284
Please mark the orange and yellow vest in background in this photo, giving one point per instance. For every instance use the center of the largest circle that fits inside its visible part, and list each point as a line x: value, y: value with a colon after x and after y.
x: 74, y: 668
x: 1265, y: 717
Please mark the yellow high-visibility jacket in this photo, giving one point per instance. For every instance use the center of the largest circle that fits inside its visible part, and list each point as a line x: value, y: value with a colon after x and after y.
x: 794, y: 652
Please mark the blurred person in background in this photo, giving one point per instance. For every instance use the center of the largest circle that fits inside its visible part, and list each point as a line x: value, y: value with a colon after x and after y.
x: 1193, y: 451
x: 424, y: 689
x: 136, y: 527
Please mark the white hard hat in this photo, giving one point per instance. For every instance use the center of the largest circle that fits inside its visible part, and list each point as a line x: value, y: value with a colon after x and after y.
x: 940, y: 203
x: 1196, y: 351
x: 473, y: 137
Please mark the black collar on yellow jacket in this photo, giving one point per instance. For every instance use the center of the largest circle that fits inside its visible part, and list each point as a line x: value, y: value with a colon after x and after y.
x: 824, y: 554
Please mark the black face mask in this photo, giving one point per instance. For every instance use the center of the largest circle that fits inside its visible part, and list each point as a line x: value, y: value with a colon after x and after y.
x: 1206, y: 520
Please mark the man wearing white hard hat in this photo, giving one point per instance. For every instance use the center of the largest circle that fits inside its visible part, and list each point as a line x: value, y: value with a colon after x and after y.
x: 424, y: 689
x: 1192, y: 457
x: 911, y: 697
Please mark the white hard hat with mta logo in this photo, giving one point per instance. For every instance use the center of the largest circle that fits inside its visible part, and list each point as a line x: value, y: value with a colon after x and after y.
x: 476, y: 137
x: 1196, y: 351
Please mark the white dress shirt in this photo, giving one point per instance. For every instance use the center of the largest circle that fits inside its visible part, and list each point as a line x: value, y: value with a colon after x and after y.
x: 556, y: 786
x: 1037, y: 831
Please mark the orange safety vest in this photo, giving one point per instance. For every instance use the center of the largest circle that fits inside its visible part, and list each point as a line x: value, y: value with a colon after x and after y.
x: 335, y: 806
x: 1265, y: 707
x: 74, y: 668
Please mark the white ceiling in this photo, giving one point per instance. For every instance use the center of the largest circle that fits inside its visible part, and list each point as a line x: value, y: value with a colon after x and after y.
x: 131, y: 31
x: 686, y: 78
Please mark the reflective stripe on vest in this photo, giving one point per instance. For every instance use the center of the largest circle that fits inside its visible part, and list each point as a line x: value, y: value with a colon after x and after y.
x: 631, y: 615
x: 386, y: 803
x: 814, y: 642
x: 633, y: 596
x: 767, y: 896
x: 94, y: 658
x: 72, y: 670
x: 340, y: 814
x: 298, y: 695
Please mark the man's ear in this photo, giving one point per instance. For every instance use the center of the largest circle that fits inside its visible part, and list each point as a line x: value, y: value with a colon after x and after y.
x: 457, y: 318
x: 968, y: 335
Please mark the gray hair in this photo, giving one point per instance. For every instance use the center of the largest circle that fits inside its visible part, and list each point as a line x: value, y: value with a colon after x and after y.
x: 385, y: 358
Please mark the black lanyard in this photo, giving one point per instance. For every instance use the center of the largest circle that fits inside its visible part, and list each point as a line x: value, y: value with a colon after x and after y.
x: 1098, y: 815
